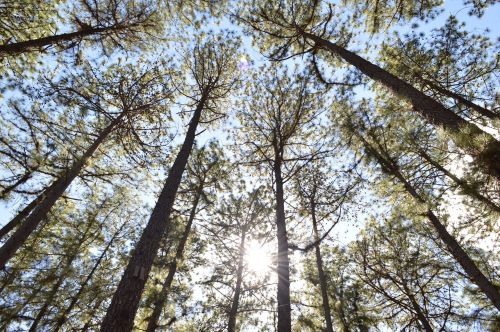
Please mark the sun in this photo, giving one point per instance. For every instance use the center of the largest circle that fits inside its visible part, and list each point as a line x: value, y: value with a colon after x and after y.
x: 258, y: 258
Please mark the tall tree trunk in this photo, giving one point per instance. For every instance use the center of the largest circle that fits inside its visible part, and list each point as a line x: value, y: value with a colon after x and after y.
x: 162, y: 297
x: 39, y: 43
x: 453, y: 246
x: 14, y: 273
x: 43, y: 207
x: 14, y: 222
x: 75, y: 298
x: 468, y: 189
x: 321, y: 272
x: 284, y: 306
x: 121, y: 312
x: 488, y: 158
x: 233, y: 312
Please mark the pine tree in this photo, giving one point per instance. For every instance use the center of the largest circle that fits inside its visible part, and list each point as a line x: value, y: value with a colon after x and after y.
x: 375, y: 147
x: 139, y: 93
x: 278, y: 132
x: 204, y: 171
x: 211, y: 68
x: 115, y: 23
x: 293, y: 28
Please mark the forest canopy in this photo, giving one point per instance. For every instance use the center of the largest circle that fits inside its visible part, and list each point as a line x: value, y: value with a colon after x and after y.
x: 254, y: 165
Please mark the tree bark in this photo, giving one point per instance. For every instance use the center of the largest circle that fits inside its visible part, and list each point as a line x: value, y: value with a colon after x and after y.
x: 74, y: 300
x: 50, y: 197
x: 284, y: 307
x: 321, y: 272
x: 39, y: 43
x: 233, y: 312
x: 20, y: 216
x: 121, y: 312
x: 433, y: 111
x: 465, y: 261
x: 162, y: 297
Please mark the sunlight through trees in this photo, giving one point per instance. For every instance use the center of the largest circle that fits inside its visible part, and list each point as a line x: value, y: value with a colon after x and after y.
x: 254, y: 165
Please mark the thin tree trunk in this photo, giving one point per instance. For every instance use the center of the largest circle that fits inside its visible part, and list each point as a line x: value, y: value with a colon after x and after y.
x: 36, y: 291
x: 121, y: 312
x: 83, y: 285
x: 48, y: 302
x: 13, y: 274
x: 356, y: 312
x: 43, y: 207
x: 62, y: 277
x: 8, y: 318
x: 284, y: 306
x: 233, y: 312
x: 454, y: 247
x: 479, y: 109
x: 433, y: 111
x: 162, y: 297
x: 86, y: 326
x: 468, y: 189
x: 421, y: 317
x: 321, y: 272
x: 39, y: 43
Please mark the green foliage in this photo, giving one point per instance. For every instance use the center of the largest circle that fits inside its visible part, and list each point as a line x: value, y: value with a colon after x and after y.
x: 360, y: 173
x: 380, y: 15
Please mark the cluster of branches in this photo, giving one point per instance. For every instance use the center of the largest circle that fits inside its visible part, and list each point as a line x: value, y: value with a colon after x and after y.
x: 105, y: 167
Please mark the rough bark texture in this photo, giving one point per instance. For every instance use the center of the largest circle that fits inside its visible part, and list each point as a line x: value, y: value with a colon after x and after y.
x: 489, y: 156
x: 162, y: 297
x: 284, y: 308
x: 39, y: 43
x: 233, y: 312
x: 470, y: 268
x: 321, y: 272
x: 121, y: 312
x: 50, y: 197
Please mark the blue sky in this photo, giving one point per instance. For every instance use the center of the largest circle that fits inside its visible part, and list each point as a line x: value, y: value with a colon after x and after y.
x: 490, y: 20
